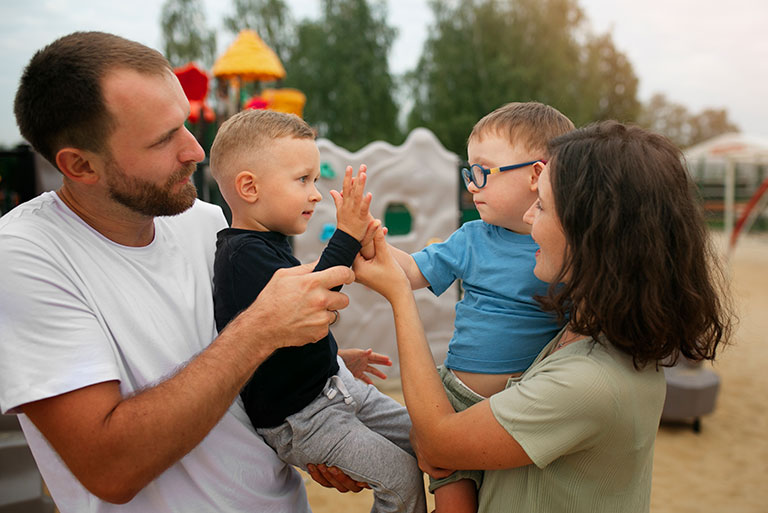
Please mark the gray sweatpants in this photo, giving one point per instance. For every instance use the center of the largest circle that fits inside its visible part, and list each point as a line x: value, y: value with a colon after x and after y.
x: 365, y: 433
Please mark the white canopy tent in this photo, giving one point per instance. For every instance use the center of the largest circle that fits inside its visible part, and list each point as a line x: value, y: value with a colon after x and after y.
x: 736, y: 146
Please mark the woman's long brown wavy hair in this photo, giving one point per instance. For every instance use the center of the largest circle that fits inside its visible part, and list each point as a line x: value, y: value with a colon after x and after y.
x: 639, y: 267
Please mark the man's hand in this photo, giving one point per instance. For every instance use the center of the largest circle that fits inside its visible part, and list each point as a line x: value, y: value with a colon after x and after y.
x: 359, y: 363
x: 332, y: 477
x: 295, y: 308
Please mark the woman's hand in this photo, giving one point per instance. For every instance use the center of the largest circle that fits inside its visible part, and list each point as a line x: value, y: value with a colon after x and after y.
x: 359, y: 362
x: 381, y: 273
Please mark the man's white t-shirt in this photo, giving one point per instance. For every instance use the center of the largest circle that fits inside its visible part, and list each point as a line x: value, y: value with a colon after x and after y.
x: 78, y: 309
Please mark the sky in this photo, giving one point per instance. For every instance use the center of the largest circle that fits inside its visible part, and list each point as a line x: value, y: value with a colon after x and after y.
x: 699, y: 53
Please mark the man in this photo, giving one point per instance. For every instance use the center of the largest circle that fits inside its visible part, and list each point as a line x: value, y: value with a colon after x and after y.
x: 105, y: 300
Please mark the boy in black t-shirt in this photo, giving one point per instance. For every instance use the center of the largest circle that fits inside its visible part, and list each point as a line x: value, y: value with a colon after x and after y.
x: 304, y: 400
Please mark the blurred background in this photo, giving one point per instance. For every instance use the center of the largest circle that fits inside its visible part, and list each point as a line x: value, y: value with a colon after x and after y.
x: 373, y: 70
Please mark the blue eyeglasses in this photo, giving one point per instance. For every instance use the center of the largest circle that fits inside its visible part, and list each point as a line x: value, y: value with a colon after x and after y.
x: 478, y: 174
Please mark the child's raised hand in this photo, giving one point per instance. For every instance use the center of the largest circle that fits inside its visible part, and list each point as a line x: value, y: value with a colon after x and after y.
x: 359, y: 363
x: 352, y: 204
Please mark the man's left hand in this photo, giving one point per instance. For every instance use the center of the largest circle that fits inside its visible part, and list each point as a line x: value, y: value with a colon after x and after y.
x: 332, y: 477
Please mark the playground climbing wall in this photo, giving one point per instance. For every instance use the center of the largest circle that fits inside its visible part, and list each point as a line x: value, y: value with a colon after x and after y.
x: 414, y: 186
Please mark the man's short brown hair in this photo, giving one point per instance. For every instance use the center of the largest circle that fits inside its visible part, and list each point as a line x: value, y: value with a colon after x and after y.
x: 60, y: 101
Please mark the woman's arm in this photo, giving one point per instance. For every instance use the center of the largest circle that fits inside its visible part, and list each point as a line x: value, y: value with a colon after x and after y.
x: 471, y: 439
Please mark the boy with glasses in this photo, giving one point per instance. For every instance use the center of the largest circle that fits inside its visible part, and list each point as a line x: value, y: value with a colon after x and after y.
x: 499, y: 327
x: 304, y: 401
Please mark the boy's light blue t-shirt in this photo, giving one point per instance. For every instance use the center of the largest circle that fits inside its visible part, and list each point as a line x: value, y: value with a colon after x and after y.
x: 499, y: 327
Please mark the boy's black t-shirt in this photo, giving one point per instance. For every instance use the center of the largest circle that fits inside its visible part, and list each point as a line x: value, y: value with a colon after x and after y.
x: 293, y: 376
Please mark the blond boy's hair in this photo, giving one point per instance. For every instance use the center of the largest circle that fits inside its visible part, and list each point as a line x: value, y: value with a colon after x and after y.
x: 528, y: 124
x: 242, y: 137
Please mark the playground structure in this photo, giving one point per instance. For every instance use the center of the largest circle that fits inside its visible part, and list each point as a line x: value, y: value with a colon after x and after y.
x: 249, y: 59
x: 415, y: 190
x: 724, y: 157
x: 692, y: 389
x: 194, y: 82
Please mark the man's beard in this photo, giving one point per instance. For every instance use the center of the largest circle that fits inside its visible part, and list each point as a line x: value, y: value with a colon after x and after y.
x: 147, y: 198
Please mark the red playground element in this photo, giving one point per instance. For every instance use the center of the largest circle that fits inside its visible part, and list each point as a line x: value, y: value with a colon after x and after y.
x: 194, y: 81
x: 257, y: 102
x: 754, y: 207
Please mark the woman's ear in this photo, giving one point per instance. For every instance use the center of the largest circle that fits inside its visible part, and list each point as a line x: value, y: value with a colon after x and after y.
x: 76, y: 165
x: 246, y: 186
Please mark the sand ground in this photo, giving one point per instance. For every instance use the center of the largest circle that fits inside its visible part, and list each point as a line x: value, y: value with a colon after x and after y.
x: 724, y: 468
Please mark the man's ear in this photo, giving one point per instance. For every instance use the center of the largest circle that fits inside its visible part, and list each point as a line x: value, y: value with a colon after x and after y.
x: 536, y: 170
x: 76, y: 165
x: 246, y: 186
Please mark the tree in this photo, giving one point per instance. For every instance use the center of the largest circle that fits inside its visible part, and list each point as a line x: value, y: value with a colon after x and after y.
x: 710, y: 123
x: 683, y: 128
x: 480, y: 54
x: 271, y: 19
x: 454, y: 81
x: 185, y: 34
x: 609, y: 84
x: 340, y: 63
x: 666, y: 118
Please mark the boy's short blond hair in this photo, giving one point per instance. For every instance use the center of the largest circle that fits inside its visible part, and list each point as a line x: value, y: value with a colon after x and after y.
x: 242, y: 137
x: 530, y: 124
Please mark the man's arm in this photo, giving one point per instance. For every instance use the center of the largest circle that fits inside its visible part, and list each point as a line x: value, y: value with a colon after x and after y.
x: 116, y: 445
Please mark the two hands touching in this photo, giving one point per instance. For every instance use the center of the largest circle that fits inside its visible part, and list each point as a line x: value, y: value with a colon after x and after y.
x: 353, y: 214
x: 353, y: 217
x: 377, y: 268
x: 303, y: 298
x: 380, y: 273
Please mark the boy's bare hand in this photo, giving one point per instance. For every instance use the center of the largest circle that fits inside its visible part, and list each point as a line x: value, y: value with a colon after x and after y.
x: 352, y: 204
x: 359, y: 362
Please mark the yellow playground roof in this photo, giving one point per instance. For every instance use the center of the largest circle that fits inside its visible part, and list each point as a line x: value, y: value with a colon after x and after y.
x: 250, y: 59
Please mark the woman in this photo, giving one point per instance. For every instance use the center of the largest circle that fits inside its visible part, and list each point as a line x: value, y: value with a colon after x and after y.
x: 620, y: 230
